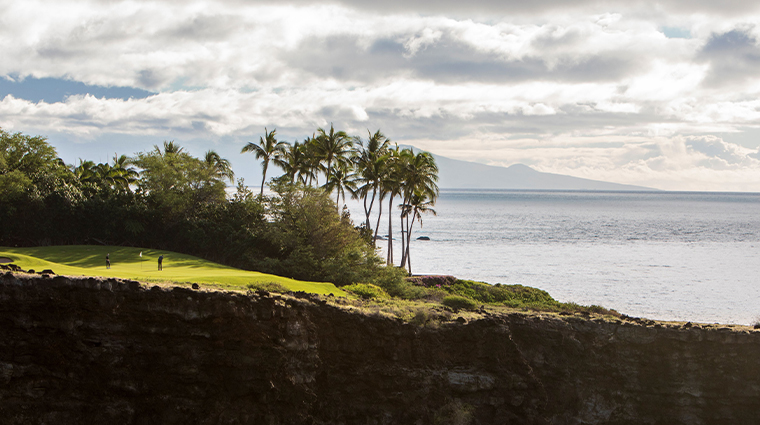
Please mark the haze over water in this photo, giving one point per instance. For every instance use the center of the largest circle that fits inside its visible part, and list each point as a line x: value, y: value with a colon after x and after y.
x: 661, y: 255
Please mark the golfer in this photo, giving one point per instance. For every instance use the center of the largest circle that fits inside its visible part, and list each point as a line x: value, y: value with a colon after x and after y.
x: 160, y: 263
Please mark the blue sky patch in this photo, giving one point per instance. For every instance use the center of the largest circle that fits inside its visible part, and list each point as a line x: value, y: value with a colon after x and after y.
x: 675, y: 32
x: 52, y: 90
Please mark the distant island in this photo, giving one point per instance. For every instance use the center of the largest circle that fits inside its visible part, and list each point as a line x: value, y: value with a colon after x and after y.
x: 456, y: 174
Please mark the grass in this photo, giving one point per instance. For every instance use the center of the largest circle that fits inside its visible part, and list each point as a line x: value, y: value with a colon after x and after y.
x: 424, y: 302
x: 126, y: 263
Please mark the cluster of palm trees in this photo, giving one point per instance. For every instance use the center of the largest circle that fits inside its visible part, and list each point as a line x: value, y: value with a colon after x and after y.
x: 370, y: 170
x: 118, y: 175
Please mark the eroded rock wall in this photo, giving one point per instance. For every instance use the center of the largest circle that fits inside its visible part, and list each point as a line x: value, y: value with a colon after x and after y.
x: 76, y: 351
x: 84, y: 350
x: 598, y: 372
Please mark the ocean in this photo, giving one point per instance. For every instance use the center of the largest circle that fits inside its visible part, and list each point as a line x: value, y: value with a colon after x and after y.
x: 660, y: 255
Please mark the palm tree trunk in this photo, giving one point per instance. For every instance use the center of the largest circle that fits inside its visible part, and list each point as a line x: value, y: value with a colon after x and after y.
x: 264, y: 178
x: 408, y: 253
x: 337, y: 201
x: 390, y: 231
x: 377, y: 226
x: 409, y: 242
x: 328, y: 172
x: 404, y: 229
x: 367, y: 211
x: 403, y: 240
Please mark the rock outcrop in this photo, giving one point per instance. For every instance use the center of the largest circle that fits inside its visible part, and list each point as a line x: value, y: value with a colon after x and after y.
x: 86, y: 350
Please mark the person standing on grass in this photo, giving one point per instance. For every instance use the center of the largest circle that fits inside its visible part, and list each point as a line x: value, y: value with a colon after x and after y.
x: 160, y: 263
x: 108, y: 261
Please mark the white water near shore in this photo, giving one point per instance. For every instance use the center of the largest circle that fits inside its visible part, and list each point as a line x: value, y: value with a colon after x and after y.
x: 661, y: 255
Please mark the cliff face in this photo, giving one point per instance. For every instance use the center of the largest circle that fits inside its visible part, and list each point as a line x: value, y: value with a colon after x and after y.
x: 597, y: 372
x: 78, y: 350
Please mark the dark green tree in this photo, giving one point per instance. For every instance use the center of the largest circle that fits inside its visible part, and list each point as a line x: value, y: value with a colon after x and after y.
x: 176, y: 182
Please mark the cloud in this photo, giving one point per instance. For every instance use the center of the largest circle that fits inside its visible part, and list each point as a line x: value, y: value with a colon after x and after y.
x: 719, y: 154
x: 451, y: 52
x: 416, y: 42
x: 734, y: 57
x: 674, y: 163
x: 584, y: 87
x: 536, y: 8
x: 152, y: 45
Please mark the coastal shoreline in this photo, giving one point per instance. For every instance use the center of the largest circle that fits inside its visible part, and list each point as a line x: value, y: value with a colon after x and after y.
x: 171, y: 354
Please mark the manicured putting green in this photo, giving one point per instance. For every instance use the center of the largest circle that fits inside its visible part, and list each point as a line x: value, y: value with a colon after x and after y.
x: 90, y: 260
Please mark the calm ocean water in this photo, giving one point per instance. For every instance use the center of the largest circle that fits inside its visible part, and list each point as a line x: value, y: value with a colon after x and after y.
x: 660, y: 255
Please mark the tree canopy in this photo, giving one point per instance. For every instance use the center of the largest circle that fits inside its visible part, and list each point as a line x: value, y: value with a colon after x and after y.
x: 168, y: 198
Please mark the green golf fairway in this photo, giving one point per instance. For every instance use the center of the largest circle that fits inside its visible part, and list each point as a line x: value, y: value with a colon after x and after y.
x: 90, y: 260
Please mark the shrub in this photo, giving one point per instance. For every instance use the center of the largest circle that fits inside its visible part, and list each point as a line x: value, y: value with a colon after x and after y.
x: 601, y: 310
x: 394, y: 281
x: 509, y: 295
x: 367, y: 291
x: 391, y: 279
x: 435, y: 294
x: 268, y: 286
x: 459, y: 303
x: 421, y: 317
x: 432, y: 281
x: 311, y: 242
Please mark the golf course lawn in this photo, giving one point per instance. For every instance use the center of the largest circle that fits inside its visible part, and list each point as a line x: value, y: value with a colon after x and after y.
x: 90, y: 260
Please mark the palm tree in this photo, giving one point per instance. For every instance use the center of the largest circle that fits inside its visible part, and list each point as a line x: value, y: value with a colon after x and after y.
x: 312, y: 162
x: 220, y: 167
x: 113, y: 177
x: 86, y: 171
x: 332, y: 146
x: 119, y: 176
x: 293, y: 162
x: 419, y: 203
x: 403, y: 158
x: 123, y: 165
x: 266, y: 150
x: 392, y: 186
x: 342, y: 178
x: 170, y: 148
x: 420, y: 175
x: 371, y: 164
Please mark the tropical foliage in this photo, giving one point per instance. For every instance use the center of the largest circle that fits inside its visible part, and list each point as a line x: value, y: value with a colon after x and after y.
x: 166, y: 198
x: 369, y: 170
x: 268, y: 149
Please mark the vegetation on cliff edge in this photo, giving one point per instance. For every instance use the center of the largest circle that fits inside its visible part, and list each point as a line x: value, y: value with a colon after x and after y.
x: 174, y: 201
x: 126, y: 263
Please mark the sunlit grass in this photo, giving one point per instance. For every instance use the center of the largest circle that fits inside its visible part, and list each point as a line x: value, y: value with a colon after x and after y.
x: 126, y: 263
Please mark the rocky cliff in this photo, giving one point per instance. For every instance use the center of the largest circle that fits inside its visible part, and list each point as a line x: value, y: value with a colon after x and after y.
x: 84, y: 350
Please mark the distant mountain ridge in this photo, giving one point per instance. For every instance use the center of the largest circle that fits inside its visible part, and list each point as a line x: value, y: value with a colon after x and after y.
x: 456, y: 174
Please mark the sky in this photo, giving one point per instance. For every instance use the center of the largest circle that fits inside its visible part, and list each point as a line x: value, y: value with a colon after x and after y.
x: 658, y: 94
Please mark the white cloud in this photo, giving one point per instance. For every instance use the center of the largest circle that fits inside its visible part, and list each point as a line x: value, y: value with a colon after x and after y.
x: 416, y: 42
x: 676, y: 163
x: 594, y: 90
